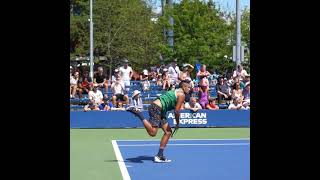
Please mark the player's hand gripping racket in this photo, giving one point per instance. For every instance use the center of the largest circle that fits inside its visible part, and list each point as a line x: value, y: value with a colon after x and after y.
x: 175, y: 130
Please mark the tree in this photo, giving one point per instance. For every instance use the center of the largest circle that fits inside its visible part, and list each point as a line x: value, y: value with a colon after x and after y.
x: 200, y: 33
x: 121, y: 29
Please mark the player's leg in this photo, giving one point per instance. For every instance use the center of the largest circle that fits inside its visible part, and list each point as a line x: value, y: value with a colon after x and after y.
x: 150, y: 126
x: 166, y: 135
x: 163, y: 143
x: 152, y: 131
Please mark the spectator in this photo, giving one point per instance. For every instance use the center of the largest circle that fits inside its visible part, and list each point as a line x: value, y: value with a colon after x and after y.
x: 84, y: 86
x: 95, y: 99
x: 144, y: 80
x: 166, y: 81
x: 159, y: 80
x: 203, y: 96
x: 237, y: 80
x: 118, y: 90
x: 223, y: 90
x: 246, y: 95
x: 185, y: 74
x: 74, y: 84
x: 237, y: 92
x: 118, y: 107
x: 192, y: 105
x: 240, y: 72
x: 174, y: 72
x: 116, y: 75
x: 212, y: 104
x: 236, y: 105
x: 100, y: 79
x: 203, y: 75
x: 213, y: 78
x: 136, y: 103
x: 106, y: 106
x: 246, y: 79
x: 126, y: 73
x: 153, y: 75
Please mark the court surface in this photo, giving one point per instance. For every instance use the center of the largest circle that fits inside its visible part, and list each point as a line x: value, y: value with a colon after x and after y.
x: 196, y: 153
x: 191, y: 159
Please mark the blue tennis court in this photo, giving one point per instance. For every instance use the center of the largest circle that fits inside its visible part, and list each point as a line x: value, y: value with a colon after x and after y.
x: 220, y: 159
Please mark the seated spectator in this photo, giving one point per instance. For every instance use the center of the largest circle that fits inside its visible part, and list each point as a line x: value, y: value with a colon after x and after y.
x: 136, y: 104
x: 144, y: 80
x: 240, y: 72
x: 95, y: 99
x: 136, y: 101
x: 74, y: 84
x: 118, y: 107
x: 237, y: 92
x: 223, y: 90
x: 246, y: 79
x: 153, y: 75
x: 203, y: 96
x: 237, y: 80
x: 118, y: 90
x: 166, y: 82
x: 192, y: 105
x: 159, y: 80
x: 212, y: 104
x: 203, y: 75
x: 84, y: 86
x: 100, y: 79
x: 246, y: 95
x: 236, y: 105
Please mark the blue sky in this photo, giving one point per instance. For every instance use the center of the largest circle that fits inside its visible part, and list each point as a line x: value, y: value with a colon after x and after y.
x: 229, y: 5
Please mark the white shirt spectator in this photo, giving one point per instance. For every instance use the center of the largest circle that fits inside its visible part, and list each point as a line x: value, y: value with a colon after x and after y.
x: 174, y: 73
x: 137, y: 103
x: 240, y: 72
x: 197, y: 105
x: 235, y: 107
x: 117, y: 87
x: 95, y: 96
x: 125, y: 73
x: 73, y: 81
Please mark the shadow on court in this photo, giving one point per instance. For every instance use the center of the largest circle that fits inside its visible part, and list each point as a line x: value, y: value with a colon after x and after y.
x: 111, y: 161
x: 140, y: 159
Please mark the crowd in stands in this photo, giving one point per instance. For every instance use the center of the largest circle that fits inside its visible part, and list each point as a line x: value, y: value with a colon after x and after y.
x: 232, y: 90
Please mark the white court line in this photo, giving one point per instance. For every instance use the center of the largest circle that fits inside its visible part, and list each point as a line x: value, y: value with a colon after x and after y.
x: 230, y: 144
x: 185, y: 139
x: 122, y: 166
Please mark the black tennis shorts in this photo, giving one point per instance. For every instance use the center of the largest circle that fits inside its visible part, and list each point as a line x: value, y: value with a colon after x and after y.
x: 156, y: 118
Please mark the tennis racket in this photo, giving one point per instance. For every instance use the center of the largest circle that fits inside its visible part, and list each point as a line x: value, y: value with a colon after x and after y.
x: 174, y: 131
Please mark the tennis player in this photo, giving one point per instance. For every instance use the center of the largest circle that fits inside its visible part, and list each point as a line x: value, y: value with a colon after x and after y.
x: 171, y: 100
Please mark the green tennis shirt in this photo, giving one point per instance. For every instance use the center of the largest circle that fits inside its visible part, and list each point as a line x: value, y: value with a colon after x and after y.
x: 168, y: 101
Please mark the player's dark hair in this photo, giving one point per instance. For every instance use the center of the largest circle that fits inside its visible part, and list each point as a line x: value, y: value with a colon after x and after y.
x: 183, y: 82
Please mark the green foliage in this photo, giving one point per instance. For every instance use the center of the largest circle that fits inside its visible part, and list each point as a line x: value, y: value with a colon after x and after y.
x: 123, y: 28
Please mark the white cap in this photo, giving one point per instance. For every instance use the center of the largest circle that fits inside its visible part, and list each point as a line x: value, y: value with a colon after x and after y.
x: 135, y: 92
x: 145, y: 72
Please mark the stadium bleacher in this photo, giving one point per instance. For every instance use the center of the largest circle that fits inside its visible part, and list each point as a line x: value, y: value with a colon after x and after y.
x: 147, y: 96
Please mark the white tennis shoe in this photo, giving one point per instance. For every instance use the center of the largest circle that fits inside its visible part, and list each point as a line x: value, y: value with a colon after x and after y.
x: 161, y: 159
